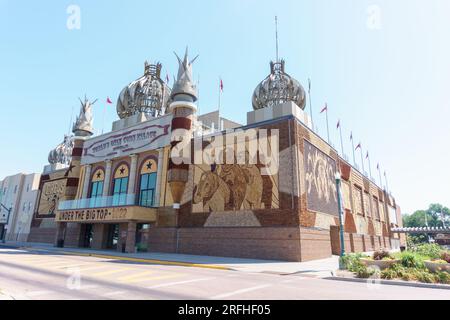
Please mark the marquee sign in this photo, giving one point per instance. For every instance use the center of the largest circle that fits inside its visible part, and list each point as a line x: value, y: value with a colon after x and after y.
x: 112, y: 214
x: 148, y: 135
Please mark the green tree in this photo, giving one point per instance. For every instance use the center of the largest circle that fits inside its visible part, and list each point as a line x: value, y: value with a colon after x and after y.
x: 435, y: 215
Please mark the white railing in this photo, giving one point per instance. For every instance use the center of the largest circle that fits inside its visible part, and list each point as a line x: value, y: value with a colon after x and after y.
x: 100, y: 202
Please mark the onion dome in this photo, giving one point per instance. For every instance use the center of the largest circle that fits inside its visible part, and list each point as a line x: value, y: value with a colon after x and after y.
x: 278, y: 88
x: 62, y: 154
x: 148, y: 94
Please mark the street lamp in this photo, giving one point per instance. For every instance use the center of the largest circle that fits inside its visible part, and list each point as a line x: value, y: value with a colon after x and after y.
x: 341, y: 224
x: 7, y: 221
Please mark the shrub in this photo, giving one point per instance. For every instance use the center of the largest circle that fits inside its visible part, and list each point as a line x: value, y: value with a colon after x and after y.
x: 363, y: 272
x: 425, y: 276
x: 389, y: 274
x: 442, y: 277
x: 431, y: 250
x: 445, y: 256
x: 352, y: 261
x: 381, y: 255
x: 412, y: 260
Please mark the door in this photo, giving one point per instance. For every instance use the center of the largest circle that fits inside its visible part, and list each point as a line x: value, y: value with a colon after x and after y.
x: 86, y: 235
x: 112, y: 237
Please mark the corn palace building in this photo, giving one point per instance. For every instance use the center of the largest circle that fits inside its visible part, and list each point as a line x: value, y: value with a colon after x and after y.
x: 123, y: 191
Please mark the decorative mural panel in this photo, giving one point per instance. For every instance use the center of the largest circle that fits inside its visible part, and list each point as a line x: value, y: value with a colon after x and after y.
x: 320, y: 180
x: 233, y: 187
x: 52, y: 191
x: 357, y: 199
x: 367, y: 204
x: 375, y: 208
x: 346, y: 195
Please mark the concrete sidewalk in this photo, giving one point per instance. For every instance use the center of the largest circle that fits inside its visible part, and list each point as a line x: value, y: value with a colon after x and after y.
x: 317, y: 268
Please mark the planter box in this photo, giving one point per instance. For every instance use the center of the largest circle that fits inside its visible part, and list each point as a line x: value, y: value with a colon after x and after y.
x: 435, y: 267
x: 382, y: 264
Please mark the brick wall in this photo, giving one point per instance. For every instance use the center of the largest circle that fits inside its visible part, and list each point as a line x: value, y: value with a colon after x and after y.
x: 315, y: 244
x: 42, y: 235
x: 257, y: 243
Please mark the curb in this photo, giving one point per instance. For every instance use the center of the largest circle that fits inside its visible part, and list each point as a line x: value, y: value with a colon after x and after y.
x: 393, y: 283
x: 142, y: 260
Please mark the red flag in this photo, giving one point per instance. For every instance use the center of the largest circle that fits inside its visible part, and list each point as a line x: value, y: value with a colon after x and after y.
x: 108, y: 100
x: 358, y: 146
x: 221, y: 85
x: 338, y: 124
x: 324, y: 109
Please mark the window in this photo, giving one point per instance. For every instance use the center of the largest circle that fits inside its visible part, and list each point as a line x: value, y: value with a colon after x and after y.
x: 147, y: 183
x: 120, y: 185
x: 147, y: 190
x: 97, y: 187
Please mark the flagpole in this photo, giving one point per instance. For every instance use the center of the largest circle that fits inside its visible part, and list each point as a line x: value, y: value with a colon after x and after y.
x: 310, y: 103
x: 103, y: 119
x: 198, y: 94
x: 362, y: 159
x: 379, y: 174
x: 353, y: 148
x: 342, y: 143
x: 220, y: 94
x: 370, y: 167
x: 328, y: 128
x: 385, y: 177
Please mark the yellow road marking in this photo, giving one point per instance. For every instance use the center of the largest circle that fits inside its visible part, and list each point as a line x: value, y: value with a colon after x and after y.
x: 52, y: 264
x: 149, y: 261
x: 153, y: 278
x: 93, y: 268
x: 137, y: 275
x: 106, y: 273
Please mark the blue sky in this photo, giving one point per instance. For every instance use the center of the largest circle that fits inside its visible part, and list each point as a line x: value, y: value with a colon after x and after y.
x: 387, y: 84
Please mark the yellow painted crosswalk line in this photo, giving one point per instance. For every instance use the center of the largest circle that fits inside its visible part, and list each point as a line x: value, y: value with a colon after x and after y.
x: 169, y: 276
x: 106, y: 273
x: 134, y: 276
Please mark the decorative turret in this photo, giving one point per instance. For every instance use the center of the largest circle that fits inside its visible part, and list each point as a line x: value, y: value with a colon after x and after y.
x: 148, y: 94
x: 62, y: 154
x: 83, y: 126
x: 277, y: 88
x: 184, y: 94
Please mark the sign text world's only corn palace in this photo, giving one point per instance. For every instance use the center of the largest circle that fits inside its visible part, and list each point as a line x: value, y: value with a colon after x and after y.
x: 123, y: 191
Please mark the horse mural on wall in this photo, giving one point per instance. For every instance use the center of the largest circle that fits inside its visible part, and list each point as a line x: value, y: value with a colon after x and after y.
x: 320, y: 181
x: 229, y: 188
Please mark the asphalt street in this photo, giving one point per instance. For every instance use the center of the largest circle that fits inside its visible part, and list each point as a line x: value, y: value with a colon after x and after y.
x: 36, y: 275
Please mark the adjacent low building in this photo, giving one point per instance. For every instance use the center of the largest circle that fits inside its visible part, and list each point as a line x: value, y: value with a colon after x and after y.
x: 125, y: 190
x: 18, y: 195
